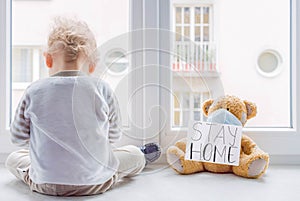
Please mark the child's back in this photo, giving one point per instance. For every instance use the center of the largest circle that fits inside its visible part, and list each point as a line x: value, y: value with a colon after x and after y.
x: 70, y: 119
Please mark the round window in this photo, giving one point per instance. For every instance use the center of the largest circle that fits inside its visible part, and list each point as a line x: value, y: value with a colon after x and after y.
x: 116, y: 62
x: 269, y: 63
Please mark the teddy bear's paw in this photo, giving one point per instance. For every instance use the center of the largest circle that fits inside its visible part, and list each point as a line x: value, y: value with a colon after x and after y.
x: 173, y: 157
x: 257, y: 167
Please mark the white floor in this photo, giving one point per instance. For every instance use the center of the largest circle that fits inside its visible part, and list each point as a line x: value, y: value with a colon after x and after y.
x: 155, y: 184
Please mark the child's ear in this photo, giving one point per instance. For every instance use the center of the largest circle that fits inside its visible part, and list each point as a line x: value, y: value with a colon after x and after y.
x: 251, y: 109
x: 49, y: 59
x: 206, y: 105
x: 92, y: 67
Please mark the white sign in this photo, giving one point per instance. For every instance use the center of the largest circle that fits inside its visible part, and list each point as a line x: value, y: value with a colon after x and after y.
x: 214, y: 143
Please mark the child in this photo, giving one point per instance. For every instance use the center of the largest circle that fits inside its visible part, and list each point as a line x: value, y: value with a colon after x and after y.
x: 69, y: 121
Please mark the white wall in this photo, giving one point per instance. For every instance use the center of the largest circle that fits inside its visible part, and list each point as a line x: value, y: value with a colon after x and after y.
x: 243, y: 30
x: 106, y: 18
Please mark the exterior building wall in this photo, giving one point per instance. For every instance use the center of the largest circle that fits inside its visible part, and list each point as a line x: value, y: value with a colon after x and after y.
x: 242, y: 30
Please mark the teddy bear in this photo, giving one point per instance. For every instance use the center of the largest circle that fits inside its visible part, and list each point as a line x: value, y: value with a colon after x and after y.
x: 225, y: 110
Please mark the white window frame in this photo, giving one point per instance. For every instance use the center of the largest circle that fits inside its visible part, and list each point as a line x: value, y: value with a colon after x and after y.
x: 35, y: 66
x: 143, y: 15
x: 5, y: 85
x: 192, y: 23
x: 144, y: 128
x: 191, y: 109
x: 184, y: 43
x: 283, y: 144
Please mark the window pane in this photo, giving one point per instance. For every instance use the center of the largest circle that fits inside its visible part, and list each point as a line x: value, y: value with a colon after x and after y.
x: 197, y: 33
x: 176, y: 118
x: 178, y: 33
x: 185, y: 100
x: 197, y: 116
x: 205, y: 33
x: 197, y: 15
x: 30, y: 25
x: 178, y: 15
x: 206, y: 15
x: 197, y: 103
x: 186, y: 15
x: 185, y: 118
x: 187, y: 33
x: 176, y: 99
x: 253, y: 59
x: 22, y: 64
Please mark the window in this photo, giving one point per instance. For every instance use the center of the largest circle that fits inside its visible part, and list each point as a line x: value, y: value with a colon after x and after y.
x: 251, y: 58
x: 27, y: 66
x: 119, y: 61
x: 194, y: 45
x: 22, y: 64
x: 243, y: 42
x: 232, y: 46
x: 124, y: 74
x: 116, y: 62
x: 193, y: 22
x: 187, y: 106
x: 29, y: 41
x: 269, y: 63
x: 195, y: 57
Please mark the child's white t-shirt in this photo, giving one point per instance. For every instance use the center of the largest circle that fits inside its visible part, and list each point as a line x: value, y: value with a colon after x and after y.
x: 69, y: 121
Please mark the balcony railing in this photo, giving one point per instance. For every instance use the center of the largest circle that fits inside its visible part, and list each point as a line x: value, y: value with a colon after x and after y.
x: 193, y: 56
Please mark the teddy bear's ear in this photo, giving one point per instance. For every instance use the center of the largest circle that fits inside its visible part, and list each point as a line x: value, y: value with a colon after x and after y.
x: 206, y: 105
x: 251, y: 109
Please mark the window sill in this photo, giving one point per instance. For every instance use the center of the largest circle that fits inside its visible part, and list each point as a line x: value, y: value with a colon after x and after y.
x: 281, y: 143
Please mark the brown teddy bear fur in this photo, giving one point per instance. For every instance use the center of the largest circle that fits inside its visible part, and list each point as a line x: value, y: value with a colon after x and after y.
x: 253, y: 161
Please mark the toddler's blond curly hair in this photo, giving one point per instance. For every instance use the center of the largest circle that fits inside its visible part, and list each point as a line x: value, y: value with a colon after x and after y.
x: 71, y: 37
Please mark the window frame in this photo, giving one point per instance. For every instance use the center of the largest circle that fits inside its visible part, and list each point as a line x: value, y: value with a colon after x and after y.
x: 190, y: 109
x: 5, y: 75
x: 140, y: 18
x: 36, y: 68
x: 270, y: 139
x: 192, y: 24
x: 37, y: 60
x: 281, y: 143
